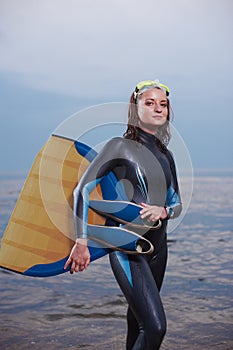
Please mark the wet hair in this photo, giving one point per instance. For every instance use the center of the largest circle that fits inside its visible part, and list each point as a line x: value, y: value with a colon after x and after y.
x: 163, y: 134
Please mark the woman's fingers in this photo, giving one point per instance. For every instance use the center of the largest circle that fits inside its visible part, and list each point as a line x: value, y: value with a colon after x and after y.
x: 87, y: 262
x: 72, y: 268
x: 145, y: 212
x: 68, y: 261
x: 150, y: 212
x: 79, y: 258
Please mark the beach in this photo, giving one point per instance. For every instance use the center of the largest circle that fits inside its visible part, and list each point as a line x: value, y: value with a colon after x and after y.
x: 87, y: 310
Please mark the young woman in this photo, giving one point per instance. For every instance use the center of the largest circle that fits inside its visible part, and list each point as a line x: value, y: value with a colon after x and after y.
x: 144, y: 166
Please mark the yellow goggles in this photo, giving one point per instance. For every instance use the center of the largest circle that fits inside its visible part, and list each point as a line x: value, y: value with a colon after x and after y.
x: 149, y: 84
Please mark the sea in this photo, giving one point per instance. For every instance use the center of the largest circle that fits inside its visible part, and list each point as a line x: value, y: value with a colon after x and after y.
x: 88, y: 311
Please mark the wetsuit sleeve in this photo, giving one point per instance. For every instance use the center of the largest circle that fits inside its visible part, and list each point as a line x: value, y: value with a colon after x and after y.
x: 173, y: 200
x: 102, y: 164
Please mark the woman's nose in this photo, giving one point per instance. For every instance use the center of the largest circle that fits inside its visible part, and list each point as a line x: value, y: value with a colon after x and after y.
x: 158, y: 108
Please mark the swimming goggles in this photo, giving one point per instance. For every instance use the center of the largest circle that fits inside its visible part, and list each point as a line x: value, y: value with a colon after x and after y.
x: 149, y: 84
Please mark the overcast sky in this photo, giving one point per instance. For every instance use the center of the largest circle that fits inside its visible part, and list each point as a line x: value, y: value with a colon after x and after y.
x: 59, y: 56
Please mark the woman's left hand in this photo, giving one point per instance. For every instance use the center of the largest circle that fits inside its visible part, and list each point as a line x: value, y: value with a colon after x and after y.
x: 152, y: 212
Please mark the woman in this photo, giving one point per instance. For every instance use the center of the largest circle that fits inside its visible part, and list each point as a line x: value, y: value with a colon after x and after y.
x: 145, y: 168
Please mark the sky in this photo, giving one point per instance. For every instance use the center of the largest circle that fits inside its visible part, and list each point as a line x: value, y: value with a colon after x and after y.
x: 59, y: 57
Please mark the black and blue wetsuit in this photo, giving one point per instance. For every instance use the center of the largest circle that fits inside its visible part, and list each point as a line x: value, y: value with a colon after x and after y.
x: 147, y: 174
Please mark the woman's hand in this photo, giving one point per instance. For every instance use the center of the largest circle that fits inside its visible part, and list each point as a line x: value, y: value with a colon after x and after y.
x: 152, y: 212
x: 79, y: 256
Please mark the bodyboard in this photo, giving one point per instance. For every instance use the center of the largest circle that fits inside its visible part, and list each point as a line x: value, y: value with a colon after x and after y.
x: 40, y: 232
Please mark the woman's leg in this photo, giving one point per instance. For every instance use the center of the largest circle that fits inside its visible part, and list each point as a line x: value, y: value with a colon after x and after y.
x: 157, y: 265
x: 132, y: 329
x: 136, y: 280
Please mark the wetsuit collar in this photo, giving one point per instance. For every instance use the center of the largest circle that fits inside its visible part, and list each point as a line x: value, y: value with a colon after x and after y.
x: 146, y: 137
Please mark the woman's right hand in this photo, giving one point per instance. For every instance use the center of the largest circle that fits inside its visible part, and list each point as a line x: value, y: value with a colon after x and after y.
x: 79, y: 256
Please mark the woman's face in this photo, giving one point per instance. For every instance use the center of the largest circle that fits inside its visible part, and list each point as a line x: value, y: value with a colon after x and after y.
x: 152, y: 110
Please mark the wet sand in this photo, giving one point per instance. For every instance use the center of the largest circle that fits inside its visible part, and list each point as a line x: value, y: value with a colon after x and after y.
x: 87, y: 311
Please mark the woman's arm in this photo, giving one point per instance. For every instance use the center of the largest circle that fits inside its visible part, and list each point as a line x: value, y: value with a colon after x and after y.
x: 103, y: 163
x: 173, y: 201
x: 173, y: 205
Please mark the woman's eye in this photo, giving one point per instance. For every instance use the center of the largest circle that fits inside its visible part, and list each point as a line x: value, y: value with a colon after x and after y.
x: 149, y: 103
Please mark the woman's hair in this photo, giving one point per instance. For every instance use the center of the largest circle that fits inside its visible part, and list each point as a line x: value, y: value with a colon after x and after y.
x: 163, y: 134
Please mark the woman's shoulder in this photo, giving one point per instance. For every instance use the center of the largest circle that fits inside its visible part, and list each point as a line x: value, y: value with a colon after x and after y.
x: 117, y: 146
x: 170, y: 156
x: 116, y: 141
x: 112, y: 144
x: 171, y: 159
x: 169, y: 153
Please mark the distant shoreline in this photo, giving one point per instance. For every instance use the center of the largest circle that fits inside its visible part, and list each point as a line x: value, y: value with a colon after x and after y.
x: 201, y: 172
x: 13, y: 175
x: 218, y: 172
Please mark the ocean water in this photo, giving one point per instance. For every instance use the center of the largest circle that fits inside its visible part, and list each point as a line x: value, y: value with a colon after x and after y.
x: 87, y: 310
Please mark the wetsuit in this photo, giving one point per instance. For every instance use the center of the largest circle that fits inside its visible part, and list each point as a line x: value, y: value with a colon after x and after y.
x: 147, y: 174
